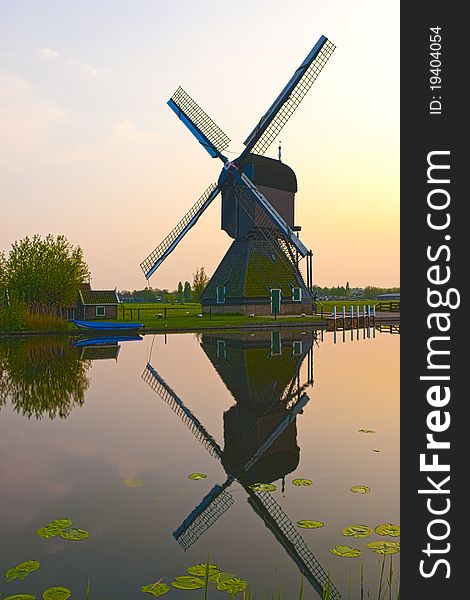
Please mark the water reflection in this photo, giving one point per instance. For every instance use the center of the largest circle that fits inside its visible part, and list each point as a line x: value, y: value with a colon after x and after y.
x: 42, y: 376
x: 262, y: 371
x: 47, y: 376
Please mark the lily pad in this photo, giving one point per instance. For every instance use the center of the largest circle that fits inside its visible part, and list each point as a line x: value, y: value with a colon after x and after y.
x: 384, y: 547
x: 187, y: 582
x: 302, y: 482
x: 48, y: 532
x: 156, y: 589
x: 345, y: 551
x: 360, y: 489
x: 200, y: 570
x: 74, y: 534
x: 388, y: 529
x: 263, y: 487
x: 22, y: 570
x: 196, y: 476
x: 366, y: 430
x: 21, y: 597
x: 56, y: 593
x: 132, y: 483
x: 357, y: 531
x: 60, y: 524
x: 221, y: 576
x: 308, y: 524
x: 232, y: 586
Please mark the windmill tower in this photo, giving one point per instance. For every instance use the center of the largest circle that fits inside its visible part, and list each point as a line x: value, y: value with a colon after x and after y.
x: 261, y: 271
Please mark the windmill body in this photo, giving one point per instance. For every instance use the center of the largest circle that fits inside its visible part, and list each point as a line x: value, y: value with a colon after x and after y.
x: 260, y: 273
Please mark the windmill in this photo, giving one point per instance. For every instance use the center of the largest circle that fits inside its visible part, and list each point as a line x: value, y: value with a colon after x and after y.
x: 287, y: 402
x: 260, y: 273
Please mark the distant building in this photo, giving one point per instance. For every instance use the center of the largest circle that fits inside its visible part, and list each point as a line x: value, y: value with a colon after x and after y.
x: 388, y: 296
x: 94, y: 304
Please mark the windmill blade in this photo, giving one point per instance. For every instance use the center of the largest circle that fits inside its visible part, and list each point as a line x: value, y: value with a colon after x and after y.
x: 215, y: 504
x: 207, y: 133
x: 271, y: 123
x: 159, y: 385
x: 283, y: 529
x: 164, y: 249
x: 248, y: 187
x: 206, y: 513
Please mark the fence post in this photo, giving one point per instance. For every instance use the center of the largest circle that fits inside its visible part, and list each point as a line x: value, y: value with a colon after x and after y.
x: 343, y: 312
x: 165, y: 313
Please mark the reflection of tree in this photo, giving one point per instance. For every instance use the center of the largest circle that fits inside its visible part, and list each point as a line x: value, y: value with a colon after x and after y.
x: 42, y: 376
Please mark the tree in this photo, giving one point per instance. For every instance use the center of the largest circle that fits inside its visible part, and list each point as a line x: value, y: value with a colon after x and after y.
x: 200, y: 281
x: 179, y: 293
x: 187, y: 292
x: 46, y: 273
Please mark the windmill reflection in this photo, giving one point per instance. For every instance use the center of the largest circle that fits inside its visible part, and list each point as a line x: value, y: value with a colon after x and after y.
x: 260, y: 437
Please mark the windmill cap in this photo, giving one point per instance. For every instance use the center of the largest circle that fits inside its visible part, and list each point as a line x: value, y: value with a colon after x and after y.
x: 272, y: 173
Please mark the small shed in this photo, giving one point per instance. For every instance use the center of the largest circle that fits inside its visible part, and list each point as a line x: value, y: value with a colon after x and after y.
x: 96, y: 304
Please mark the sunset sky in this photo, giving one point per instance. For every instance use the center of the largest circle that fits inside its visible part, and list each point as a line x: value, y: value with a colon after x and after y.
x: 89, y: 148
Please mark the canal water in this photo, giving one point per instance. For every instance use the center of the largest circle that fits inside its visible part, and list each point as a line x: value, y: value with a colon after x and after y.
x: 107, y: 435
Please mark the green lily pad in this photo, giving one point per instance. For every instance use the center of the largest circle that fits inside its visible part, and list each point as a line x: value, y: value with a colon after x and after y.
x: 187, y: 582
x: 21, y: 597
x: 56, y: 593
x: 196, y: 476
x: 60, y: 524
x: 156, y: 589
x: 302, y: 482
x: 132, y: 483
x: 384, y: 547
x: 357, y: 531
x: 22, y: 570
x: 360, y: 489
x: 232, y: 586
x: 74, y: 534
x: 48, y: 532
x: 221, y: 576
x: 388, y: 529
x: 263, y: 487
x: 366, y: 430
x: 200, y: 570
x: 345, y: 551
x: 307, y: 524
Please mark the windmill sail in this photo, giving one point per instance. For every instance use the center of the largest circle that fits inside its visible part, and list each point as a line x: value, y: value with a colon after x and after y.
x: 207, y: 133
x: 157, y: 256
x: 293, y: 543
x: 285, y: 104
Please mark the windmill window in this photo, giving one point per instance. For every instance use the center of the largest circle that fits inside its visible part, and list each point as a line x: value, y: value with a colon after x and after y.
x: 100, y: 311
x: 297, y: 348
x: 220, y: 294
x: 221, y: 349
x: 276, y: 344
x: 297, y: 294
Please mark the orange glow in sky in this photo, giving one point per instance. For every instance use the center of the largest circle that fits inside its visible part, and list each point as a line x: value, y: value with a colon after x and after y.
x: 90, y: 149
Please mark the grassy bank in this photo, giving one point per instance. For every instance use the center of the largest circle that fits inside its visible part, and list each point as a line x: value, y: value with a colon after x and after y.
x: 163, y: 317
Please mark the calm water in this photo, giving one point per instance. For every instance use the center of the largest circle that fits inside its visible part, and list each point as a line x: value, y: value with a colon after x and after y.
x: 76, y: 422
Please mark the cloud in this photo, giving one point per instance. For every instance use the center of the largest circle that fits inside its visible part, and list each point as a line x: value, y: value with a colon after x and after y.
x: 27, y: 120
x: 48, y: 54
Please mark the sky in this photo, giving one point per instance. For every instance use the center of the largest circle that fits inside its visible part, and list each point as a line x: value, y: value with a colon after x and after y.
x: 89, y: 148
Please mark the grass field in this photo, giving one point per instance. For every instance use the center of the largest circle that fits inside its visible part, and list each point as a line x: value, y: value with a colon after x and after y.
x: 162, y: 316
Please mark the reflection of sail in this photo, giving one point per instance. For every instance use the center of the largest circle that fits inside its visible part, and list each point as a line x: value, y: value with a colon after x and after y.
x: 270, y: 428
x: 293, y: 543
x: 215, y: 504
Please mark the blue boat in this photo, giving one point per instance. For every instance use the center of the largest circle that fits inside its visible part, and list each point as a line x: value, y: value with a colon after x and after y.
x: 106, y: 340
x: 106, y: 326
